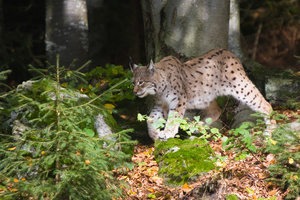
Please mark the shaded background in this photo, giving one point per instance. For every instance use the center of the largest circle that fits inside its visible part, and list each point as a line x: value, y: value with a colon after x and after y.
x: 116, y: 32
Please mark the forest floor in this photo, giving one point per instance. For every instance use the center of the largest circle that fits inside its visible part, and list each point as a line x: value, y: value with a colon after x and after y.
x: 244, y: 178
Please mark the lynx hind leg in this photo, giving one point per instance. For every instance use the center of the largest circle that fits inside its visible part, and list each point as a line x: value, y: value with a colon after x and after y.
x: 245, y: 91
x: 156, y: 113
x: 213, y: 111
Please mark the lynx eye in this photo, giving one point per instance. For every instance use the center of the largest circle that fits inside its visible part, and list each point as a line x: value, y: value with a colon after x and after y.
x: 140, y: 82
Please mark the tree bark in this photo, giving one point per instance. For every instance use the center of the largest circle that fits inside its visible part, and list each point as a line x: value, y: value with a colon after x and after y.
x: 2, y: 52
x: 67, y: 32
x: 183, y: 28
x: 96, y: 31
x: 234, y: 33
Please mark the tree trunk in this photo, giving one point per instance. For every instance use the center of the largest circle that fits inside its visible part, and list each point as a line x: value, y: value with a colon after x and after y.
x: 2, y: 52
x: 96, y: 31
x: 185, y: 29
x: 67, y: 32
x: 234, y: 33
x: 189, y: 28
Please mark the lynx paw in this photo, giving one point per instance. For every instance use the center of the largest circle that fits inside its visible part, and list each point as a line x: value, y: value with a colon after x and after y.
x: 164, y: 135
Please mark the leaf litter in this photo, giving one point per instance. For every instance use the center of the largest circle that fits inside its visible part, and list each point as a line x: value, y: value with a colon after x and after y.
x: 244, y: 178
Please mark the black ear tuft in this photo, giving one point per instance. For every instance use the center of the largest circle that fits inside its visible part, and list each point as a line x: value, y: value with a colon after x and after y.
x: 151, y: 67
x: 131, y: 64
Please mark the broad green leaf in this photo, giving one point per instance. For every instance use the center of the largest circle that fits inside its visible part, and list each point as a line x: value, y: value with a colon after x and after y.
x: 214, y: 130
x: 89, y: 132
x: 160, y: 123
x: 208, y: 120
x: 197, y: 118
x: 252, y: 148
x: 140, y: 117
x: 242, y: 156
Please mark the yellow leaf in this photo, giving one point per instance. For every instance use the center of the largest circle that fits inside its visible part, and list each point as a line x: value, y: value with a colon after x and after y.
x: 64, y: 84
x: 124, y: 177
x: 131, y: 193
x: 272, y: 193
x: 109, y: 107
x: 291, y: 160
x: 14, y: 190
x: 87, y: 162
x: 297, y: 73
x: 249, y: 191
x: 11, y: 149
x: 273, y: 142
x: 151, y: 190
x: 220, y: 164
x: 185, y: 186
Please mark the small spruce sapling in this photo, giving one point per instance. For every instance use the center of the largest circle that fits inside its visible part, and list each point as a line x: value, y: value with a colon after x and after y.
x: 57, y: 155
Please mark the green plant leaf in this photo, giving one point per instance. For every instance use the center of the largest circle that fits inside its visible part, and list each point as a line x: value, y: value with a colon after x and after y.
x: 151, y: 196
x: 89, y: 132
x: 208, y: 120
x: 160, y: 123
x: 197, y: 118
x: 140, y: 117
x: 214, y: 130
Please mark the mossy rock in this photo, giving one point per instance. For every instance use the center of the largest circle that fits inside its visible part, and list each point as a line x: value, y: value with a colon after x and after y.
x: 181, y: 161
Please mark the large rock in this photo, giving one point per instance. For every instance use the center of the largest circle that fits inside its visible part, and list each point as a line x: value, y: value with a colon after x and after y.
x: 283, y: 91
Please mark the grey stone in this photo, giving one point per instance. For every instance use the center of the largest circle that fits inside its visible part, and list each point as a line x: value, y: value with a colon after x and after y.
x: 278, y: 90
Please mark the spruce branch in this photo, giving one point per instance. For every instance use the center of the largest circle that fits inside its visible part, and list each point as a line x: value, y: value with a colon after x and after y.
x: 99, y: 96
x: 57, y: 113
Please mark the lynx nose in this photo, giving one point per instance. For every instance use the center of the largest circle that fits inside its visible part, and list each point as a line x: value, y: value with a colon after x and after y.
x: 135, y: 90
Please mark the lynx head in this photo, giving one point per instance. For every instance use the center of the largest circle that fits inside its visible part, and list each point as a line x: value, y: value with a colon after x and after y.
x: 143, y: 79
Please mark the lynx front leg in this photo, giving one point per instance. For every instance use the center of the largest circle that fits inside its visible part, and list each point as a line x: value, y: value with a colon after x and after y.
x: 171, y: 128
x: 156, y: 113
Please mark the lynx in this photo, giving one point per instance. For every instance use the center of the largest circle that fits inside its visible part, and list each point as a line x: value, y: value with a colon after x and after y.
x: 194, y: 84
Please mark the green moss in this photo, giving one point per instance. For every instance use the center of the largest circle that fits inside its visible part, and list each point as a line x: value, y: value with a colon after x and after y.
x: 180, y: 161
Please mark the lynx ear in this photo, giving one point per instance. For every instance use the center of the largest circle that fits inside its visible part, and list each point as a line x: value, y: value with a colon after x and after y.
x: 131, y: 64
x: 151, y: 67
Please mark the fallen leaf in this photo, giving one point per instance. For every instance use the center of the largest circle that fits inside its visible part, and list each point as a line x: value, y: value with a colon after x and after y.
x: 272, y: 192
x: 11, y: 149
x: 157, y: 180
x: 151, y: 190
x: 270, y: 158
x: 250, y: 191
x: 186, y: 188
x: 297, y: 73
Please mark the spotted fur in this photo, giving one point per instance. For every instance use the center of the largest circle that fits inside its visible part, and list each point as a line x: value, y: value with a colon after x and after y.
x: 194, y: 84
